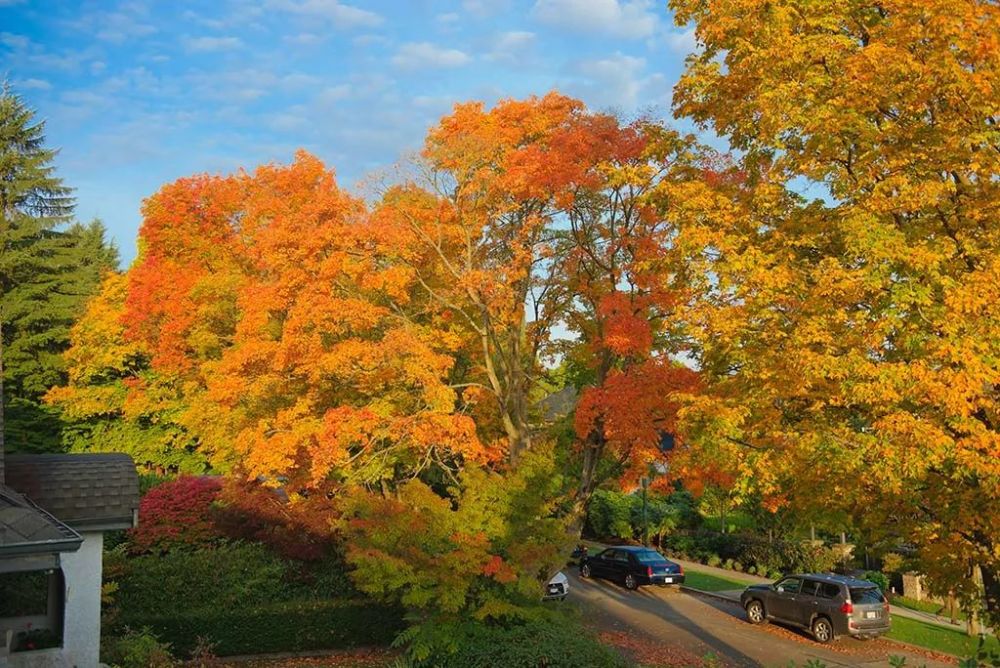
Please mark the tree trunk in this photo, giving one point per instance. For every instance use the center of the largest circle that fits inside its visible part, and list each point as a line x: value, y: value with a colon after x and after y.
x: 991, y: 587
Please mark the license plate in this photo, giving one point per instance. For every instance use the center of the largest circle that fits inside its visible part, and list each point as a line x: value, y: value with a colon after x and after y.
x: 871, y: 615
x: 668, y: 580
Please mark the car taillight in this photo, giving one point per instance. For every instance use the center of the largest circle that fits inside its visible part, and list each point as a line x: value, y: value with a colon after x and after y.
x: 649, y: 571
x: 847, y: 608
x: 885, y: 605
x: 680, y: 569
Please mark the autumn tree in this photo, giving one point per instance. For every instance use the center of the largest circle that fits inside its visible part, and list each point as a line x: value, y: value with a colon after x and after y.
x: 846, y: 267
x: 299, y: 349
x: 536, y: 214
x: 113, y: 401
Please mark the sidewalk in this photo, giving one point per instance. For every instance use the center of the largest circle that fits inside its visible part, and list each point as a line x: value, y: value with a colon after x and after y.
x: 734, y: 594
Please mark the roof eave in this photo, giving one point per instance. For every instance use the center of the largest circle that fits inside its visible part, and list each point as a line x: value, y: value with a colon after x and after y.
x: 41, y: 547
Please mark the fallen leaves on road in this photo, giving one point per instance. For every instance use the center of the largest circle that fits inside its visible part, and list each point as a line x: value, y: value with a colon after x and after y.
x: 881, y: 647
x: 654, y: 653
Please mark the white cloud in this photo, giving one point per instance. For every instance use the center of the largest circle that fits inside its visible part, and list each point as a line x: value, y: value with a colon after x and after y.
x: 512, y: 47
x: 127, y: 21
x: 613, y: 82
x: 629, y: 19
x: 419, y: 55
x: 303, y: 39
x: 293, y: 119
x: 32, y: 84
x: 333, y: 94
x: 298, y: 80
x: 118, y: 28
x: 337, y: 13
x: 367, y: 40
x: 12, y: 41
x: 682, y: 42
x: 484, y: 8
x: 206, y: 43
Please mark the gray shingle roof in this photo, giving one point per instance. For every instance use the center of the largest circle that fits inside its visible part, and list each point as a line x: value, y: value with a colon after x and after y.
x: 86, y: 491
x: 27, y: 529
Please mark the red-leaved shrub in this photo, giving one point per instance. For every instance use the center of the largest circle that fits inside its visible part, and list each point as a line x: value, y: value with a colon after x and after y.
x: 176, y: 514
x: 300, y: 530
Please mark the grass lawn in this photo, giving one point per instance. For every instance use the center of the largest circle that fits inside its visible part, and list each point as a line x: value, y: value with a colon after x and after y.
x: 706, y: 582
x: 937, y: 638
x: 925, y: 606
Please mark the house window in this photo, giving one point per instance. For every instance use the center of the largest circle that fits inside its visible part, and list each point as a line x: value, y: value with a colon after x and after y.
x: 31, y: 605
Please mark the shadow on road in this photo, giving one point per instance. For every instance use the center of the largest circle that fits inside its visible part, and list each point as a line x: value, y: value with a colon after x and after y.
x: 643, y: 610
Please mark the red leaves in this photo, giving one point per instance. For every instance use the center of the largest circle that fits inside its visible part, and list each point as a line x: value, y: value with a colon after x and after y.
x: 633, y: 408
x: 625, y: 331
x: 498, y: 569
x: 176, y: 514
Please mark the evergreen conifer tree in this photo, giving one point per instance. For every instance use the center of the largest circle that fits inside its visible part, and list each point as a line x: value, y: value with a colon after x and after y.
x: 48, y: 269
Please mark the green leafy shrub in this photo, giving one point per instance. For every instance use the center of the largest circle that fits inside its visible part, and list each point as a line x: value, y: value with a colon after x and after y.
x: 766, y: 555
x: 737, y: 566
x: 609, y: 515
x: 139, y: 649
x: 292, y: 626
x: 550, y: 643
x: 878, y: 578
x: 713, y: 560
x: 752, y: 570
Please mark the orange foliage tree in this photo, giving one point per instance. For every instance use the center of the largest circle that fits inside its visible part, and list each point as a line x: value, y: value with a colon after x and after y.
x: 302, y: 352
x: 535, y: 215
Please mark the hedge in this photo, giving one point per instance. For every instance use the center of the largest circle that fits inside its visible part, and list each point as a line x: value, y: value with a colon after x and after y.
x: 549, y: 643
x: 770, y: 556
x: 280, y: 627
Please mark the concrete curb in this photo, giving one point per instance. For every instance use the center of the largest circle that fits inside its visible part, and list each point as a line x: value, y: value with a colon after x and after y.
x: 710, y: 594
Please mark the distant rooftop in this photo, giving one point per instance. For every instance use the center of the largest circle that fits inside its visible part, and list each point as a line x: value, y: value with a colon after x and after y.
x: 97, y: 491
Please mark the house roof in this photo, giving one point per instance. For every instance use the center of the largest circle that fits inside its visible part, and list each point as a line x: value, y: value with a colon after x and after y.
x: 27, y: 529
x: 97, y: 491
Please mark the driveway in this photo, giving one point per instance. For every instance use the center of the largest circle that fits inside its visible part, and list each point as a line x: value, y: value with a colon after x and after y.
x: 684, y: 628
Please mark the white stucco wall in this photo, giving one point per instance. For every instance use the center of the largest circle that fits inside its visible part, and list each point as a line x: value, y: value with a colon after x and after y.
x: 82, y: 623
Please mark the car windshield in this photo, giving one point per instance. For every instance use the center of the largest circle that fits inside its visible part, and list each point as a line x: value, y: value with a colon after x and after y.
x: 650, y: 557
x: 866, y: 595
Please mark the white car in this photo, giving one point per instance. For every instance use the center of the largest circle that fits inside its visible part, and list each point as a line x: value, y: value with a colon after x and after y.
x: 557, y: 588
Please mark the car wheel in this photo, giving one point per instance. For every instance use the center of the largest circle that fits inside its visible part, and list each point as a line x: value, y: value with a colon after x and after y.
x: 631, y: 582
x: 822, y: 630
x: 755, y: 612
x: 585, y: 571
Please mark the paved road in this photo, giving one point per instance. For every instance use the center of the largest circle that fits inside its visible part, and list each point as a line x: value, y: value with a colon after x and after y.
x: 897, y: 611
x: 688, y: 625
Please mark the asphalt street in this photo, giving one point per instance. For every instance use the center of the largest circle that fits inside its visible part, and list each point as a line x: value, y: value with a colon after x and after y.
x: 684, y: 624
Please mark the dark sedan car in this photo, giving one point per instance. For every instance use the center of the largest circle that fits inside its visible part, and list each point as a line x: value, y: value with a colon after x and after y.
x: 826, y: 605
x: 632, y: 566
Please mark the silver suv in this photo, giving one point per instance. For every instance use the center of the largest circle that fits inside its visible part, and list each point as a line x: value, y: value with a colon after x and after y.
x: 826, y: 605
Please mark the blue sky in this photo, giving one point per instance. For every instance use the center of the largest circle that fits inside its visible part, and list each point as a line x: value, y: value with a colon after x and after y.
x: 139, y: 93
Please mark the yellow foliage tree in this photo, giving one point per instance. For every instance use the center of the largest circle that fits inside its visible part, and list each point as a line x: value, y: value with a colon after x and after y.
x: 848, y: 267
